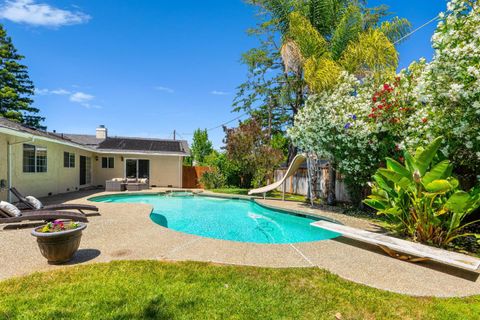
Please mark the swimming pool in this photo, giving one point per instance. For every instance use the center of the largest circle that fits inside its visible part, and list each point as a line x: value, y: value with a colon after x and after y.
x: 227, y: 219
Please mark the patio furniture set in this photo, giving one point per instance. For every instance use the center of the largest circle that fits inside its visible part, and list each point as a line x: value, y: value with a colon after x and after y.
x: 129, y: 184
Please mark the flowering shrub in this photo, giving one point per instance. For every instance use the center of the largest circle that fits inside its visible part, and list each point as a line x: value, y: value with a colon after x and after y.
x: 448, y: 89
x: 392, y: 105
x: 356, y: 125
x: 58, y: 225
x: 335, y: 125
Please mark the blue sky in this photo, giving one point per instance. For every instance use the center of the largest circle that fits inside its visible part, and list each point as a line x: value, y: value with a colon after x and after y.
x: 145, y: 68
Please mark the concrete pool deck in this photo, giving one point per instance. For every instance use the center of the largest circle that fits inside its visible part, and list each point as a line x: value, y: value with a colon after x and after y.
x: 124, y: 231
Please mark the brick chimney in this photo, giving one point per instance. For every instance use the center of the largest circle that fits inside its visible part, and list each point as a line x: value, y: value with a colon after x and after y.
x: 101, y: 132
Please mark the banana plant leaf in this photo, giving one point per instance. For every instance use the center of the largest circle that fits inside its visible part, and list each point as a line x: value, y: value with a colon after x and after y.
x: 376, y: 204
x: 398, y: 168
x: 439, y: 171
x: 458, y: 202
x: 425, y: 157
x: 438, y: 186
x: 382, y: 183
x: 395, y: 177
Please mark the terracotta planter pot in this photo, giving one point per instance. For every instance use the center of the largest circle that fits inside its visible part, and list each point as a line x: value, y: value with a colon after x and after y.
x: 59, y: 247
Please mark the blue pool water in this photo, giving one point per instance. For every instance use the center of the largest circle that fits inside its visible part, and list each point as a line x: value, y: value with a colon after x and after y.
x: 228, y: 219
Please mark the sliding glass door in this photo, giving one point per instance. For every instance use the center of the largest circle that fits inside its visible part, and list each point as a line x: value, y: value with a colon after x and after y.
x: 143, y: 168
x: 85, y: 170
x: 137, y: 168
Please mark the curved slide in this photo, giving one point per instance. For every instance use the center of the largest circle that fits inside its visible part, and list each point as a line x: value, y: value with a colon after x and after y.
x: 294, y: 166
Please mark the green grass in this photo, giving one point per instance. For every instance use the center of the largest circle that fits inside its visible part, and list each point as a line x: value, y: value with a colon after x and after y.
x: 192, y: 290
x: 273, y: 194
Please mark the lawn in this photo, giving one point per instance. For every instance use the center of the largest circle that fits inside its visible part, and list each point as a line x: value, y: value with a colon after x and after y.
x: 192, y: 290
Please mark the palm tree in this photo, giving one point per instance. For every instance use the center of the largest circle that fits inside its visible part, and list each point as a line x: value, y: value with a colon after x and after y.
x: 339, y: 35
x: 330, y: 36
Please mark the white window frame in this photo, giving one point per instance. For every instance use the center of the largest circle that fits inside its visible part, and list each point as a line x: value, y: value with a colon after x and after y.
x: 136, y: 159
x: 35, y: 151
x: 70, y: 166
x: 108, y: 162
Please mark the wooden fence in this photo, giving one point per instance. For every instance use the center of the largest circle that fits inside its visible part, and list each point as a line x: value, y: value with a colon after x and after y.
x: 191, y: 176
x: 298, y: 184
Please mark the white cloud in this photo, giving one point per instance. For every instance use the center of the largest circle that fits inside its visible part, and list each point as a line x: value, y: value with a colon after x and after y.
x: 44, y: 92
x: 61, y: 92
x: 164, y: 89
x: 91, y: 106
x: 41, y: 92
x: 84, y: 99
x: 219, y: 93
x: 40, y: 14
x: 81, y: 97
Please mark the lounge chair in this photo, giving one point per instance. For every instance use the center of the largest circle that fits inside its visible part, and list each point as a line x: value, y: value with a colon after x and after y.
x: 64, y: 206
x: 402, y: 249
x: 42, y: 215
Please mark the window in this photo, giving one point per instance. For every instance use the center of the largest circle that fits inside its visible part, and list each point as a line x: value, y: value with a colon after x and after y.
x: 34, y: 158
x: 68, y: 160
x: 137, y: 168
x: 108, y: 162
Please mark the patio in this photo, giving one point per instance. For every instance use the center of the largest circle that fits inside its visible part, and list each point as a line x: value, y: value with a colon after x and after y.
x: 125, y: 232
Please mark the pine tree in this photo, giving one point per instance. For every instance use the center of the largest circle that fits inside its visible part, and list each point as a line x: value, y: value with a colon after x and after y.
x: 16, y: 88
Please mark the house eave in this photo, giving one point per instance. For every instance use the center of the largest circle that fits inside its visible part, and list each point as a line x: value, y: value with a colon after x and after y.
x: 140, y: 152
x: 34, y: 137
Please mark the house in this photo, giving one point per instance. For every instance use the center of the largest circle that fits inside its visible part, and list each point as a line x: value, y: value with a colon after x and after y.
x: 42, y: 163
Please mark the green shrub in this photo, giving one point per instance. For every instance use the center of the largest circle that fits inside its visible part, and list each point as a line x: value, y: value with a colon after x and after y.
x: 423, y: 198
x: 225, y: 166
x: 213, y: 179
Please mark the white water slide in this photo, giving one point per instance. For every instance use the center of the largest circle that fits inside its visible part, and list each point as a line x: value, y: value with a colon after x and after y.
x: 294, y: 166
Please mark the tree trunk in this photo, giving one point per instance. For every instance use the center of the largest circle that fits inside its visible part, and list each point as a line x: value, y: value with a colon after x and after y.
x: 292, y: 152
x: 270, y: 122
x: 332, y: 177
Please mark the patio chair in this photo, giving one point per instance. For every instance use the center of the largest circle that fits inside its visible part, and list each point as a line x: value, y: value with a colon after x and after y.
x: 116, y: 184
x: 63, y: 206
x: 42, y: 215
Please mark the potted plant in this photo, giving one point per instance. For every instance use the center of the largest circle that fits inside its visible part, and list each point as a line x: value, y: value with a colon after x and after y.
x: 59, y: 240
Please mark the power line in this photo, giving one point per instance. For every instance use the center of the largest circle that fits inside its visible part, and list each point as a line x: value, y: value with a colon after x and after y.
x: 229, y: 121
x: 415, y: 30
x: 222, y: 124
